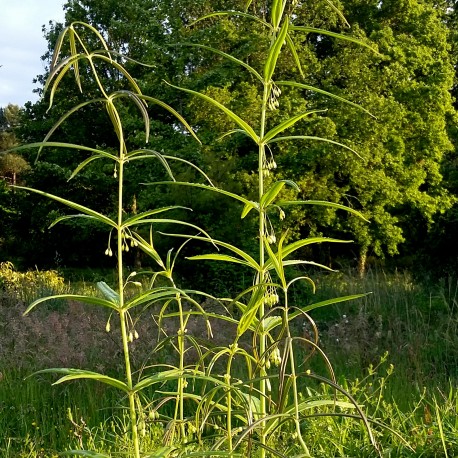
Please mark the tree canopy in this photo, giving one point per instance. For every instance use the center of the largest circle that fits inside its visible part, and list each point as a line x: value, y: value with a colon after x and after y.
x: 387, y: 161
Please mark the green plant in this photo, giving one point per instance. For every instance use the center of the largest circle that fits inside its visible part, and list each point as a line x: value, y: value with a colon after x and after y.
x: 233, y: 398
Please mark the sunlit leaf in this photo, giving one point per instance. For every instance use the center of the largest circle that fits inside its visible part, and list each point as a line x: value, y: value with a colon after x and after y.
x: 274, y: 51
x: 217, y: 257
x: 209, y: 188
x: 322, y: 203
x: 140, y: 216
x: 293, y: 50
x: 226, y: 56
x: 237, y: 119
x: 287, y: 124
x: 77, y: 374
x: 73, y: 297
x: 172, y: 111
x: 336, y: 300
x: 323, y: 92
x: 108, y: 292
x: 340, y: 14
x: 276, y: 14
x: 148, y: 153
x: 340, y: 36
x: 251, y: 310
x: 320, y: 139
x: 232, y: 13
x: 248, y: 207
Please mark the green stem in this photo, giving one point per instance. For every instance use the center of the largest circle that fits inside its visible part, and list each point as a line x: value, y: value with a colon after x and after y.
x: 123, y: 313
x: 229, y: 396
x: 289, y: 343
x: 262, y: 215
x: 181, y: 380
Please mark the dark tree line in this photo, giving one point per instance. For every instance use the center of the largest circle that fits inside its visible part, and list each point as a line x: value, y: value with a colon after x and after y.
x: 403, y: 178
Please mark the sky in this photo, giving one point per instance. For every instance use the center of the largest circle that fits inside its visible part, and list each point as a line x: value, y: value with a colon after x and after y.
x: 22, y: 44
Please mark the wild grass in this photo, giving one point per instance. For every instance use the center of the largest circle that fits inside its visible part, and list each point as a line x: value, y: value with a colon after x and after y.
x: 411, y: 389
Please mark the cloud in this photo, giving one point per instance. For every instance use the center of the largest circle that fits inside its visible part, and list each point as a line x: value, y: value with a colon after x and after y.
x: 21, y: 46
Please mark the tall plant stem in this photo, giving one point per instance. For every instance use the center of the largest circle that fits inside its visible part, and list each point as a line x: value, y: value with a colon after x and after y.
x: 289, y: 343
x: 123, y: 313
x: 261, y: 279
x: 179, y: 406
x: 229, y: 395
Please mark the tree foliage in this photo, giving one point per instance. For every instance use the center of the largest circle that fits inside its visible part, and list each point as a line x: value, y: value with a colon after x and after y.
x: 390, y: 168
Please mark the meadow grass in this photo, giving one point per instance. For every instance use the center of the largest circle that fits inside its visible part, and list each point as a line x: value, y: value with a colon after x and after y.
x: 393, y: 351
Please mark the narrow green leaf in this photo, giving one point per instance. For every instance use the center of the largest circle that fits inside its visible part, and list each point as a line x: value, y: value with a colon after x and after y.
x: 271, y: 322
x: 336, y: 300
x: 136, y: 218
x: 174, y: 221
x: 334, y: 35
x: 86, y: 453
x: 232, y: 13
x: 63, y: 218
x: 320, y: 139
x: 274, y: 51
x: 172, y: 111
x: 148, y: 153
x: 247, y: 4
x: 141, y: 106
x: 323, y: 92
x: 324, y: 204
x: 120, y: 68
x: 44, y: 144
x: 83, y: 164
x: 56, y: 76
x: 102, y: 218
x: 108, y: 292
x: 287, y: 123
x: 227, y: 56
x: 64, y: 117
x: 76, y: 374
x: 209, y: 188
x: 277, y: 264
x: 190, y: 164
x: 288, y: 249
x: 239, y: 121
x: 74, y: 52
x: 115, y: 121
x: 218, y: 257
x: 248, y: 207
x: 72, y: 297
x: 295, y: 262
x: 57, y: 48
x: 148, y: 248
x: 152, y: 296
x: 251, y: 310
x: 276, y: 13
x: 292, y: 48
x: 441, y: 428
x: 340, y: 14
x: 94, y: 30
x: 270, y: 195
x: 174, y: 374
x: 250, y: 261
